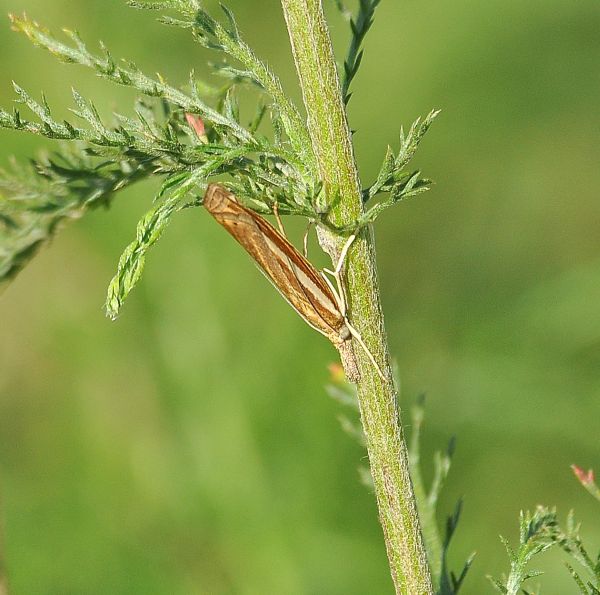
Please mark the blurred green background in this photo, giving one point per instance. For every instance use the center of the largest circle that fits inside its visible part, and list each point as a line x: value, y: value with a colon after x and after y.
x: 190, y: 447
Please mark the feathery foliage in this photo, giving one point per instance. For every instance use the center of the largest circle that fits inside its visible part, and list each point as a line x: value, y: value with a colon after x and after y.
x: 156, y: 142
x: 131, y: 263
x: 36, y: 198
x: 540, y: 531
x: 394, y: 179
x: 446, y: 581
x: 570, y: 542
x: 161, y: 140
x: 211, y: 34
x: 537, y: 533
x: 359, y: 27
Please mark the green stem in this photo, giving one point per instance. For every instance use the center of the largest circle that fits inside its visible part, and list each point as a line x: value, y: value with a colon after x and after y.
x: 332, y: 145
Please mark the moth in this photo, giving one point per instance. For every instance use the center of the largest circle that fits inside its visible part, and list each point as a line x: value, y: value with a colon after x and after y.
x: 309, y: 292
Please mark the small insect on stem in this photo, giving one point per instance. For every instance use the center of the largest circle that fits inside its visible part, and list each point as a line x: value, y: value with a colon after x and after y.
x: 308, y: 291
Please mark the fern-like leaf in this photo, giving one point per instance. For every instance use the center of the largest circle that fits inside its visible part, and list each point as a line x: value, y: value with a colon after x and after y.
x: 360, y: 27
x: 213, y: 35
x: 132, y: 261
x: 537, y: 533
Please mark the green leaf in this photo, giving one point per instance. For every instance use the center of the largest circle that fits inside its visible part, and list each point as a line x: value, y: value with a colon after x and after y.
x: 128, y: 75
x: 213, y: 35
x: 580, y: 584
x: 393, y: 178
x: 537, y: 533
x: 36, y: 199
x: 498, y: 585
x: 132, y: 261
x: 360, y: 27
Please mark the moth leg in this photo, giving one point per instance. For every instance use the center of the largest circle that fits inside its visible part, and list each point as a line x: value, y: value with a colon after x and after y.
x: 278, y: 219
x: 340, y: 263
x: 336, y: 274
x: 341, y: 299
x: 305, y: 241
x: 358, y: 337
x: 344, y: 253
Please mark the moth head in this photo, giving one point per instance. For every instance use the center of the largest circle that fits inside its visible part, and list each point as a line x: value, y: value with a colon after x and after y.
x: 217, y: 197
x: 344, y: 334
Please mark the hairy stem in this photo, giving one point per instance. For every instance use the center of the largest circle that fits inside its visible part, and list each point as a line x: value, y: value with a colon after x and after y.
x: 332, y: 145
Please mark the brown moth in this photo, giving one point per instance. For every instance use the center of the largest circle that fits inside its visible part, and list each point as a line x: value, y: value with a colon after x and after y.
x: 309, y: 292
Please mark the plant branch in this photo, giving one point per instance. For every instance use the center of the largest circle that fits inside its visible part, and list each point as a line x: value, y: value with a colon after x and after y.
x: 332, y: 145
x: 36, y: 199
x: 213, y: 35
x: 127, y: 75
x: 538, y: 532
x: 360, y: 27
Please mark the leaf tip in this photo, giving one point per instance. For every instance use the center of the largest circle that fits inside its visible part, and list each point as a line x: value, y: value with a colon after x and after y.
x: 586, y: 478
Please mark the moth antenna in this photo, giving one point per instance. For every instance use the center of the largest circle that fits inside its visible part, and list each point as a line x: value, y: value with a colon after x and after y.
x: 338, y: 293
x: 305, y: 241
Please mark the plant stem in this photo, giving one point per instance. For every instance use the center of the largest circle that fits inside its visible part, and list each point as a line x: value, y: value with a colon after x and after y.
x: 332, y: 145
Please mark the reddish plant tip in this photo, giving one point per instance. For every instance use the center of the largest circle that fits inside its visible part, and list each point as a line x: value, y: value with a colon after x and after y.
x: 586, y: 478
x: 197, y: 124
x: 337, y: 373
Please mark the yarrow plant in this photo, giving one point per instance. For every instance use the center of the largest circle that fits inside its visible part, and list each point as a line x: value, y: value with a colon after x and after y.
x: 188, y: 136
x: 160, y: 142
x: 285, y: 159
